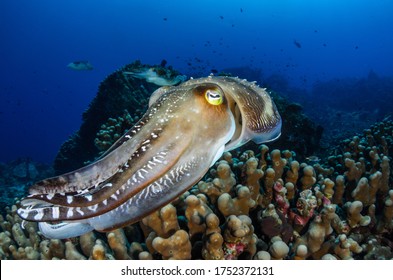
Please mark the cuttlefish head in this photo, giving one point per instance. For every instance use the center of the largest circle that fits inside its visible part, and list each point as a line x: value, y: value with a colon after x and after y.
x: 184, y: 131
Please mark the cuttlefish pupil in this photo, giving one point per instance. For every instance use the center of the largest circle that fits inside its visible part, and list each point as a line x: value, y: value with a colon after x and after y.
x: 214, y: 97
x: 168, y: 151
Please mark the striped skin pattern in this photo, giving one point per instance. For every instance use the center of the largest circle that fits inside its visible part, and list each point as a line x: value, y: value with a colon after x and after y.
x: 184, y: 131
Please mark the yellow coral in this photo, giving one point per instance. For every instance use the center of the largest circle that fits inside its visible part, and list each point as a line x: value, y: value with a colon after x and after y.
x: 176, y: 247
x: 308, y: 179
x: 240, y: 205
x: 253, y: 174
x: 222, y: 183
x: 196, y: 211
x: 354, y: 216
x: 118, y: 243
x: 292, y: 174
x: 278, y: 163
x: 163, y: 221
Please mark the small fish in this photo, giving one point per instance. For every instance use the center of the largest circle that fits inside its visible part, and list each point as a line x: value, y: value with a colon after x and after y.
x: 297, y: 44
x: 80, y: 65
x: 313, y: 159
x: 152, y: 76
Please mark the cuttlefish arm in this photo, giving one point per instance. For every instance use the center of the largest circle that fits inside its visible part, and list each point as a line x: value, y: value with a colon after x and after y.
x: 185, y: 130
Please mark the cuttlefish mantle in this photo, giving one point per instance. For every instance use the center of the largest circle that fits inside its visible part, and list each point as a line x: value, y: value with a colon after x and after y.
x: 184, y: 131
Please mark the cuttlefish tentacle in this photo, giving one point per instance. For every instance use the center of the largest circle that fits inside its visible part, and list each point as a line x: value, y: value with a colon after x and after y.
x: 185, y: 130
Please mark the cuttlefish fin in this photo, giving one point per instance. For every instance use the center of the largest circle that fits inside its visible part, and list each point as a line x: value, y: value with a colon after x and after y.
x: 218, y: 155
x: 158, y: 93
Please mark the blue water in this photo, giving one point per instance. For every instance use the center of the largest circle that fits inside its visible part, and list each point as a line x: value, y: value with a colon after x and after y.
x: 41, y: 100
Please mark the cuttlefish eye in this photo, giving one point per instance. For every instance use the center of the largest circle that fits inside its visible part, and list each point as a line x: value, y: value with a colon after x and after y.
x: 214, y: 96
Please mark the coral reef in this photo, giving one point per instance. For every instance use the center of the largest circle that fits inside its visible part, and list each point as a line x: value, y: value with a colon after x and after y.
x: 343, y: 107
x: 258, y: 204
x: 112, y: 130
x: 16, y: 175
x: 299, y: 132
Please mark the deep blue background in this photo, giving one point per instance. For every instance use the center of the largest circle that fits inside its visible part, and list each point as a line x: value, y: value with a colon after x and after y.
x: 41, y: 100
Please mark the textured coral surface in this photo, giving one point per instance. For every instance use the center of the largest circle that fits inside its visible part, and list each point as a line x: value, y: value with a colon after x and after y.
x: 253, y: 204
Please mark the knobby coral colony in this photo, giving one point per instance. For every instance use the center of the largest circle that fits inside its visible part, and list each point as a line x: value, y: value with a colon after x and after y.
x: 252, y: 204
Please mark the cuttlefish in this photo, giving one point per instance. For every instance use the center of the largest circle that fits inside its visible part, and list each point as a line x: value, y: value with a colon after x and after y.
x: 184, y: 131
